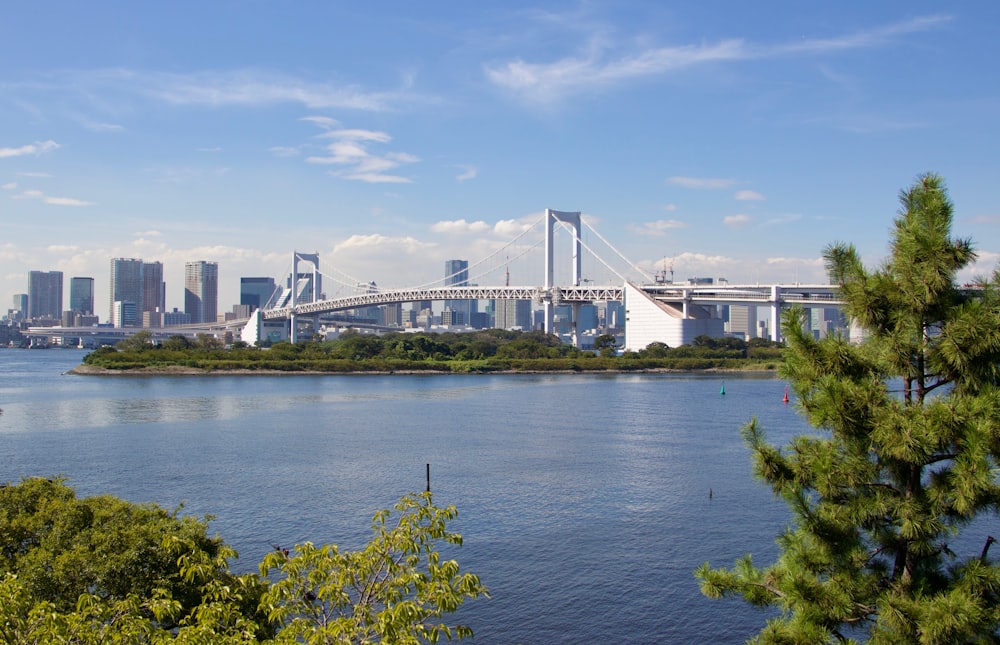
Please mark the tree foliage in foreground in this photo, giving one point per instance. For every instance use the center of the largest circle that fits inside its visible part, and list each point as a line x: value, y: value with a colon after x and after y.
x: 396, y: 589
x: 883, y: 543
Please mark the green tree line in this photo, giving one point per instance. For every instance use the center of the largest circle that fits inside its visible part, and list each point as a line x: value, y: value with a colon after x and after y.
x: 482, y: 351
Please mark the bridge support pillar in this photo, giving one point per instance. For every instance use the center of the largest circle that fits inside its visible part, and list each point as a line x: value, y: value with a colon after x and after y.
x: 776, y: 313
x: 293, y: 334
x: 573, y: 219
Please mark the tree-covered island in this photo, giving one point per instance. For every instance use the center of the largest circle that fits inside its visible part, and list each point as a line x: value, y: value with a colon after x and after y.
x: 485, y: 351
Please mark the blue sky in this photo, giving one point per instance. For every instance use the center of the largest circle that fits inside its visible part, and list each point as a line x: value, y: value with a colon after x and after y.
x: 731, y: 139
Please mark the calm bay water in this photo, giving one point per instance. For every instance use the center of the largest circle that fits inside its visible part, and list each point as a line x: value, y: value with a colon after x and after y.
x: 583, y: 499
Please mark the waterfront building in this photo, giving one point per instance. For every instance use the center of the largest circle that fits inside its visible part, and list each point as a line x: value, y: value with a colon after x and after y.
x: 20, y: 303
x: 126, y: 285
x: 743, y: 321
x: 45, y: 295
x: 81, y: 295
x: 392, y: 315
x: 201, y: 291
x: 176, y: 317
x: 125, y: 314
x: 511, y: 314
x: 456, y: 274
x: 154, y: 289
x: 256, y: 292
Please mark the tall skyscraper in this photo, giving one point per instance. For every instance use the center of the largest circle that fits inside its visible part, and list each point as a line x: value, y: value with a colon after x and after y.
x: 45, y: 294
x: 126, y: 286
x: 81, y: 295
x: 456, y: 273
x: 201, y: 291
x: 154, y: 291
x: 21, y: 303
x: 256, y: 291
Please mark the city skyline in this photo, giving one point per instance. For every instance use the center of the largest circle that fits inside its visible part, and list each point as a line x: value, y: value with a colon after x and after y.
x: 732, y: 141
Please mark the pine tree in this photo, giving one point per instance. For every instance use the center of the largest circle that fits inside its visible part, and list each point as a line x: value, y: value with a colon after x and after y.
x: 904, y: 456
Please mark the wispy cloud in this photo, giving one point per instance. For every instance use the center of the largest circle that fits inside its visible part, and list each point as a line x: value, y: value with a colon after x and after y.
x: 283, y: 151
x: 350, y: 149
x: 468, y: 172
x: 599, y: 65
x: 712, y: 183
x: 55, y: 201
x: 258, y: 87
x: 37, y: 148
x: 736, y: 221
x: 748, y: 196
x: 659, y: 227
x: 461, y: 227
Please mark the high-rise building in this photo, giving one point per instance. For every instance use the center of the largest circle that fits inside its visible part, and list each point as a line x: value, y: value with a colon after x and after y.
x: 201, y: 291
x: 456, y: 274
x: 45, y: 294
x: 743, y: 320
x: 126, y: 286
x: 124, y: 313
x: 81, y: 295
x: 21, y: 304
x: 255, y: 292
x: 509, y: 314
x: 154, y: 290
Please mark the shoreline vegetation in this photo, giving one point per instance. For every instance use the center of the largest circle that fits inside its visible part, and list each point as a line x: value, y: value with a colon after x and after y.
x: 491, y: 351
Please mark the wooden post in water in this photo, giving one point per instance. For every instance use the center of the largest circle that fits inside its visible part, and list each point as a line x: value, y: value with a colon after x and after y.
x: 428, y: 478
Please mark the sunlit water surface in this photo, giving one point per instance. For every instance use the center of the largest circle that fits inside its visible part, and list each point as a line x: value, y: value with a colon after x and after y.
x: 585, y: 501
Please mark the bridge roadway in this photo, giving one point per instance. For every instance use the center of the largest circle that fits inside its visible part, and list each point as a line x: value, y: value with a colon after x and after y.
x: 778, y: 294
x: 773, y: 296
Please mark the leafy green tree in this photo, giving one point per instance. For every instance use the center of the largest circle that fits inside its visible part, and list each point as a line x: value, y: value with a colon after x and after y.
x: 61, y: 546
x: 168, y: 587
x: 883, y: 495
x: 605, y: 344
x: 140, y: 341
x: 395, y: 590
x: 656, y: 349
x: 177, y: 342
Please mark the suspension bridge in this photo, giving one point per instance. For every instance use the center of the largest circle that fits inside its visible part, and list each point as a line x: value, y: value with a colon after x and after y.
x: 655, y: 309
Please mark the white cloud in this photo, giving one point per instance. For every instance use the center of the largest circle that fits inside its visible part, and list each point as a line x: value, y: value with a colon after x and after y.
x: 350, y: 150
x: 599, y: 65
x: 736, y: 221
x: 9, y: 186
x: 37, y: 148
x: 95, y: 126
x: 543, y: 82
x: 461, y: 227
x: 55, y: 201
x: 66, y: 201
x: 711, y: 183
x: 356, y: 134
x: 510, y: 228
x: 468, y: 172
x: 283, y: 151
x: 255, y: 87
x: 324, y: 122
x: 748, y: 196
x: 659, y: 227
x: 62, y: 248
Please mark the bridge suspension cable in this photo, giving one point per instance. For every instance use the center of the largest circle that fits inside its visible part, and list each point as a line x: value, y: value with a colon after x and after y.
x: 645, y: 275
x: 492, y: 255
